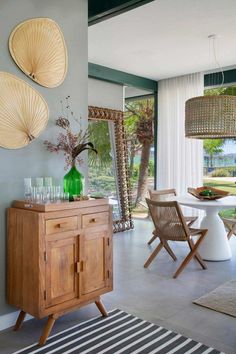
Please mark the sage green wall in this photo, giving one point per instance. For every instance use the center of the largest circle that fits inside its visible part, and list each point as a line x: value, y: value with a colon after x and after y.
x: 34, y: 160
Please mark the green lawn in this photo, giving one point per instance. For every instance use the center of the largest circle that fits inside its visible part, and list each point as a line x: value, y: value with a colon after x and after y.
x: 225, y: 186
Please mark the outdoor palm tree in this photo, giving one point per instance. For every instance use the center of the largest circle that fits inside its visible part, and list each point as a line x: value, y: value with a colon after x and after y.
x: 139, y: 129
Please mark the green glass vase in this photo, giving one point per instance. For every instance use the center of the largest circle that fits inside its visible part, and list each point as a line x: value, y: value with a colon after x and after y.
x: 73, y: 182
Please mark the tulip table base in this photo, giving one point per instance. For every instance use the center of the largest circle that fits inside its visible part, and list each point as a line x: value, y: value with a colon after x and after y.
x: 216, y: 245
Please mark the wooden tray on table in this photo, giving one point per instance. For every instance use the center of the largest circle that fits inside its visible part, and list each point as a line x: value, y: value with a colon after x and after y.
x: 214, y: 193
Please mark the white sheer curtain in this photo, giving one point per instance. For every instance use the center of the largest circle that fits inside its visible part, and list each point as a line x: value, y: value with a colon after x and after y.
x: 179, y: 160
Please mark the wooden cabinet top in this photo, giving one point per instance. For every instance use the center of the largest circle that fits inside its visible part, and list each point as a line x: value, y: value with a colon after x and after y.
x: 22, y: 204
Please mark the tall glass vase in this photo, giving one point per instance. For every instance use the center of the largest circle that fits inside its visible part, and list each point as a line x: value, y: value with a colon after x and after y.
x: 73, y: 182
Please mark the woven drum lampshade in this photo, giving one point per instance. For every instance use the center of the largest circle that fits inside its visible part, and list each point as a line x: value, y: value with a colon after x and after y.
x: 210, y: 117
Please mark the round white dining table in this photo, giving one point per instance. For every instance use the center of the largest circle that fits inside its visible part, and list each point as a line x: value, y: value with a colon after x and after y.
x: 215, y: 246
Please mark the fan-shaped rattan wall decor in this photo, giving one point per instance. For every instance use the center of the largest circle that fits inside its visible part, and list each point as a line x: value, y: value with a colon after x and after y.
x: 38, y: 48
x: 23, y: 112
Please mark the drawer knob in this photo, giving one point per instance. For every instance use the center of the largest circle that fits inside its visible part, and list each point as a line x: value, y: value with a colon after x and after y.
x: 92, y: 220
x: 62, y: 225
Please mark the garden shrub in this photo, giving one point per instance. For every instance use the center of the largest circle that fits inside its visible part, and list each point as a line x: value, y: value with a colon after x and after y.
x: 221, y: 172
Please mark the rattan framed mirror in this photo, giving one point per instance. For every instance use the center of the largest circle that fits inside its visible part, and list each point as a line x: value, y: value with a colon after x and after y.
x: 122, y: 219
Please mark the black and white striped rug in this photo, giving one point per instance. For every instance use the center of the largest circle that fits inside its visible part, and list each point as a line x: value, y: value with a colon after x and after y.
x: 118, y: 333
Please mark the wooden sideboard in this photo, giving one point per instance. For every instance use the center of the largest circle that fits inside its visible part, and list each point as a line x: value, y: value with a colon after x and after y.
x: 59, y: 258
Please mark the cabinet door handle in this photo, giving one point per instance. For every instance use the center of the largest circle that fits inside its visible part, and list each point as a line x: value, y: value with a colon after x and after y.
x: 92, y: 220
x: 79, y: 266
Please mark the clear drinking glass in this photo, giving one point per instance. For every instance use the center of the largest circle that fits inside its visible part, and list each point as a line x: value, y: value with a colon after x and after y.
x: 48, y: 181
x: 27, y: 189
x: 46, y: 195
x: 38, y: 195
x: 52, y: 194
x: 39, y: 182
x: 57, y: 196
x: 66, y: 196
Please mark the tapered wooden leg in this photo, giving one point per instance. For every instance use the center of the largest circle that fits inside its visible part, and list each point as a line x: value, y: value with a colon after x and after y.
x: 19, y: 320
x: 153, y: 255
x: 101, y: 308
x: 169, y: 250
x: 47, y: 329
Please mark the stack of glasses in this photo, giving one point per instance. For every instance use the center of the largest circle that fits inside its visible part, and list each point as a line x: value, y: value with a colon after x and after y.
x: 42, y: 190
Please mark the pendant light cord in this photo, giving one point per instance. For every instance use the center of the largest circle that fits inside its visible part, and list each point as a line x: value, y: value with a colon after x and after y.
x: 213, y: 38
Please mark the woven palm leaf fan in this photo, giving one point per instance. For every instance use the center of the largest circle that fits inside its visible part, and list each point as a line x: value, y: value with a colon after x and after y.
x: 23, y: 112
x: 38, y: 48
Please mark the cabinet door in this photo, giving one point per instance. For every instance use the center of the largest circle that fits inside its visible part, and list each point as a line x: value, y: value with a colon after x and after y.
x: 61, y: 276
x: 96, y: 255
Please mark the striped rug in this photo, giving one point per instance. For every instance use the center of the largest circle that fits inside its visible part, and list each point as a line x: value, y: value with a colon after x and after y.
x: 118, y: 333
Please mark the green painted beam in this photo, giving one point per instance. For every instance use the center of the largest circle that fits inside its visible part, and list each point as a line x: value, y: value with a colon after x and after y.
x: 119, y: 77
x: 138, y: 98
x: 102, y: 10
x: 215, y: 79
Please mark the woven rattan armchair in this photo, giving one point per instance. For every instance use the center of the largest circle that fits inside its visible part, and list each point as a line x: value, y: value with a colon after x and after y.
x: 162, y: 195
x: 230, y: 225
x: 170, y: 225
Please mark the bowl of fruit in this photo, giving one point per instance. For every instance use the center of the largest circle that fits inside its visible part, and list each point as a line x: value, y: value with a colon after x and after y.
x: 207, y: 193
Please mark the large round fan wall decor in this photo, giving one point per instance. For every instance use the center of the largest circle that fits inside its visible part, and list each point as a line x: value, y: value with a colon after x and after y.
x: 23, y: 112
x: 38, y: 48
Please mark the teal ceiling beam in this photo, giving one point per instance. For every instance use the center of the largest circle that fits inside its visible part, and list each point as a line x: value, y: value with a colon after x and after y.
x: 138, y: 98
x: 102, y: 10
x: 119, y: 77
x: 215, y: 79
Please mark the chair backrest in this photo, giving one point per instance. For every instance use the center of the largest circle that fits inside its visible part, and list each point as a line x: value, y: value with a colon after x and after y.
x: 168, y: 220
x: 161, y: 195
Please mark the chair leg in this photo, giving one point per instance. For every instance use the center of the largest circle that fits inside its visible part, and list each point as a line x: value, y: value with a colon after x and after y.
x: 230, y: 233
x: 231, y: 229
x: 153, y: 255
x: 152, y: 239
x: 190, y: 223
x: 169, y: 250
x: 197, y: 255
x: 200, y: 261
x: 191, y: 254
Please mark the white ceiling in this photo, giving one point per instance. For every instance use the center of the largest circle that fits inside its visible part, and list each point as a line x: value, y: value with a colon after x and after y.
x: 166, y: 38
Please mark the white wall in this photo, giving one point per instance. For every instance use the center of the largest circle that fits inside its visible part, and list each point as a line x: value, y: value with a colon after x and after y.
x: 34, y: 160
x: 105, y: 94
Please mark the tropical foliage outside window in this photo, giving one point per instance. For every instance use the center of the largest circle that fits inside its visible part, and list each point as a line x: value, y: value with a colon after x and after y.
x: 139, y: 122
x: 220, y: 158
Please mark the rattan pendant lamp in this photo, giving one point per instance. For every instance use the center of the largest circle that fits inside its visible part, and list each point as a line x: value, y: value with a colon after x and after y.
x: 211, y: 117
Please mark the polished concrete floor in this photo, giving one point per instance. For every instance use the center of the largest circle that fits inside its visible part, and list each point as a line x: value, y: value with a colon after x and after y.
x: 153, y: 294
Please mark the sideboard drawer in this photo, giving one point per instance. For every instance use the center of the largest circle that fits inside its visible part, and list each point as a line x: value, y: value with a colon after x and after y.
x: 60, y: 225
x: 91, y: 220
